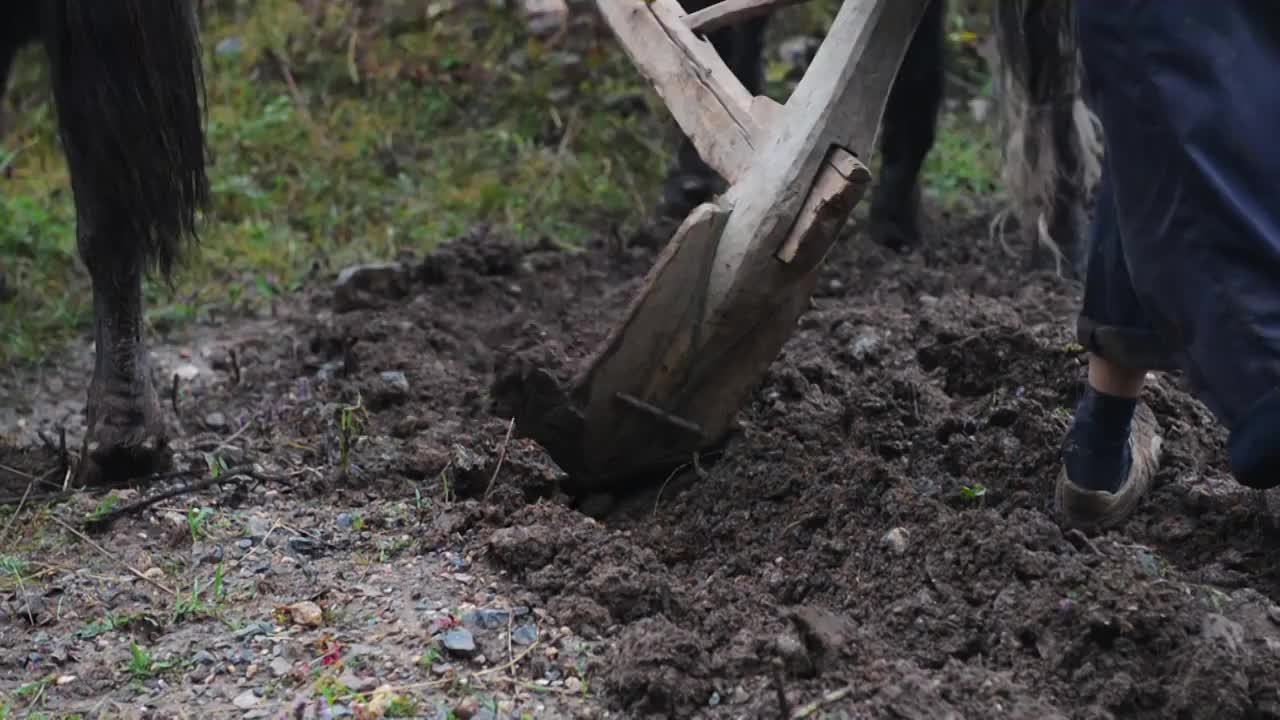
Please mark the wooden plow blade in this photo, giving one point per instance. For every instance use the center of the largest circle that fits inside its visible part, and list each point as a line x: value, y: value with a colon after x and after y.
x: 726, y: 292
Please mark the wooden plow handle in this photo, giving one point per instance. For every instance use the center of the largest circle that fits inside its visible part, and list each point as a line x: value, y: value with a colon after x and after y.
x: 726, y: 291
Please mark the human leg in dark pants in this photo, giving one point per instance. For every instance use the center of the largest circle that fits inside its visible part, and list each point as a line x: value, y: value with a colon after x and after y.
x: 1193, y: 171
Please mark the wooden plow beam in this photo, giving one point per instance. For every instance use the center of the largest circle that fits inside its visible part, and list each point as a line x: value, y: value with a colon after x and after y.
x: 726, y: 292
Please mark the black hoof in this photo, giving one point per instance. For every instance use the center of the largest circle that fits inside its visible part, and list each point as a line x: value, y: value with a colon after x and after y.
x: 894, y: 234
x: 126, y: 441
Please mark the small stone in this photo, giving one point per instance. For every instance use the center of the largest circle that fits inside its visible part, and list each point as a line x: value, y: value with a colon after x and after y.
x: 524, y: 635
x: 304, y: 546
x: 253, y: 630
x: 1148, y: 562
x: 245, y: 700
x: 396, y: 380
x: 345, y: 520
x: 714, y: 700
x: 366, y: 286
x: 153, y: 573
x: 204, y: 657
x: 357, y: 683
x: 257, y: 528
x: 864, y: 346
x: 280, y: 667
x: 381, y: 702
x: 306, y: 613
x: 244, y: 544
x: 466, y: 460
x: 1273, y: 612
x: 896, y: 540
x: 573, y: 685
x: 487, y: 619
x: 459, y: 641
x: 466, y: 708
x: 215, y: 421
x: 250, y: 671
x: 207, y: 554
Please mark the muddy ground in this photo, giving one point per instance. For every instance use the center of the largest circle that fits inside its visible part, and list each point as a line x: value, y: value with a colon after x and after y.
x: 877, y: 540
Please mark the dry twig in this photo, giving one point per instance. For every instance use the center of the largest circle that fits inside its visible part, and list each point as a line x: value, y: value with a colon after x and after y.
x: 816, y: 705
x: 237, y: 474
x: 502, y: 455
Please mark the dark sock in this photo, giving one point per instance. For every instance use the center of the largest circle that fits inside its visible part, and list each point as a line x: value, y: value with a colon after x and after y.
x: 1096, y: 451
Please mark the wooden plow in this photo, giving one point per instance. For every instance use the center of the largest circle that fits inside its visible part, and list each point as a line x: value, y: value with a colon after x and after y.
x: 726, y: 292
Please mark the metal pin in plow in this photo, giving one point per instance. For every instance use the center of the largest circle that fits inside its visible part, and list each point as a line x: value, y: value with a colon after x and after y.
x: 726, y: 292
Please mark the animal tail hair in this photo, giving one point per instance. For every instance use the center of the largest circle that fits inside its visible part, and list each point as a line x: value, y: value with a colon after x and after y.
x: 1035, y: 89
x: 129, y: 90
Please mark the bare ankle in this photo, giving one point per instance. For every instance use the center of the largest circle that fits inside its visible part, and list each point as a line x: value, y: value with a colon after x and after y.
x: 1112, y: 379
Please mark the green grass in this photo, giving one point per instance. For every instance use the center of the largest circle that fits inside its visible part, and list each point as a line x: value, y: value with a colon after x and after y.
x: 340, y: 137
x: 964, y: 162
x: 425, y: 130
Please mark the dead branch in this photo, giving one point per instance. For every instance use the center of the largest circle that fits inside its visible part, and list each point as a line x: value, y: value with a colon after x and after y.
x: 233, y: 475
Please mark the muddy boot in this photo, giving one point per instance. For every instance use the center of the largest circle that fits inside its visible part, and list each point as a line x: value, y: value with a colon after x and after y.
x: 1098, y: 486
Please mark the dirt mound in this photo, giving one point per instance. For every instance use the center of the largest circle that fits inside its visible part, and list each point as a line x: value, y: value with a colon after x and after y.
x: 875, y: 539
x: 894, y: 470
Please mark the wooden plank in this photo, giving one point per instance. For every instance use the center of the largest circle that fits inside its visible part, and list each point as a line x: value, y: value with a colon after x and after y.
x: 730, y: 12
x: 661, y: 329
x: 767, y: 113
x: 841, y: 182
x: 705, y: 97
x: 716, y: 311
x: 838, y: 102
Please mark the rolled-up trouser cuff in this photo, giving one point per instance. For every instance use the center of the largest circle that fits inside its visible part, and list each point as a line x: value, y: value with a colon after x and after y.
x: 1194, y: 171
x: 1254, y: 445
x: 1136, y: 348
x: 1113, y: 324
